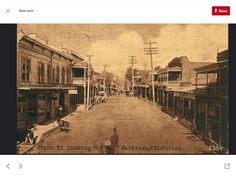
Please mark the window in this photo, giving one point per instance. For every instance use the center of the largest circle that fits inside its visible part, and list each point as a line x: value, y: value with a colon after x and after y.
x: 78, y: 72
x: 48, y: 73
x: 25, y: 72
x: 57, y: 74
x: 214, y: 112
x: 63, y: 75
x: 53, y: 75
x: 174, y: 76
x: 41, y: 72
x: 68, y: 75
x: 213, y: 123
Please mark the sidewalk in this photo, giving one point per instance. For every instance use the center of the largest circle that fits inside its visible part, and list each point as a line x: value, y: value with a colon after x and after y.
x: 43, y: 131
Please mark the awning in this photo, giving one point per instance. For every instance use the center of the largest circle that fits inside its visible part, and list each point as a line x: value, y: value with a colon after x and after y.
x: 46, y: 88
x: 182, y: 89
x: 211, y: 68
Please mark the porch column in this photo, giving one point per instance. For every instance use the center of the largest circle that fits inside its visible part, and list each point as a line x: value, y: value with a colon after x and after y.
x: 207, y: 83
x: 196, y: 80
x: 84, y: 86
x: 220, y: 127
x: 167, y: 100
x: 206, y: 120
x: 195, y: 115
x: 145, y: 93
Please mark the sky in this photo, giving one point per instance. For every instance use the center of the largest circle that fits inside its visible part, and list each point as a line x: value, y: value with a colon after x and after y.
x: 111, y: 44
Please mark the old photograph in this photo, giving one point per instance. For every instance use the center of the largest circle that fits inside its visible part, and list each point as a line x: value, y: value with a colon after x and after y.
x: 122, y: 89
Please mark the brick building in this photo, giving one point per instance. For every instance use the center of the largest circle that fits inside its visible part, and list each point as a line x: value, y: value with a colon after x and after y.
x: 43, y: 81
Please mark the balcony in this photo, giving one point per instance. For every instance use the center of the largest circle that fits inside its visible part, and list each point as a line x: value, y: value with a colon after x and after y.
x: 79, y: 80
x: 213, y: 91
x: 167, y: 83
x: 37, y: 84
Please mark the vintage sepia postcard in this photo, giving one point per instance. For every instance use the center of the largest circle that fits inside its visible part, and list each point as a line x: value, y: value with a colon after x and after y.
x: 122, y: 89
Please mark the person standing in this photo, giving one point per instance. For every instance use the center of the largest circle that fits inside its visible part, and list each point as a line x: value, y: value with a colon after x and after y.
x: 114, y: 141
x: 60, y: 110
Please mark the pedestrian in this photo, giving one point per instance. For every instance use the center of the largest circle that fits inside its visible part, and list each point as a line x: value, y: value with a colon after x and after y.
x: 60, y: 110
x: 114, y: 141
x: 107, y: 146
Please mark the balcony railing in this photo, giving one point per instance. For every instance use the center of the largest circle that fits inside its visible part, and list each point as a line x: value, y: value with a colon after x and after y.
x: 43, y: 84
x: 215, y: 91
x: 167, y: 82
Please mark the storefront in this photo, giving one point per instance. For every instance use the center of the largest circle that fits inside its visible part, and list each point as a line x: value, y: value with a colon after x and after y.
x: 212, y: 120
x: 170, y: 103
x: 184, y: 107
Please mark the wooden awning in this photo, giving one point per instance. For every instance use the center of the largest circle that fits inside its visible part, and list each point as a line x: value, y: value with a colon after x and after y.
x: 211, y: 68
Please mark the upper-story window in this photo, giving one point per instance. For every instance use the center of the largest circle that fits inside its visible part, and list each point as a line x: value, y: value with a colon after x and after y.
x: 68, y: 75
x: 53, y: 74
x: 41, y: 72
x: 49, y: 73
x: 57, y: 74
x: 25, y: 72
x: 63, y: 75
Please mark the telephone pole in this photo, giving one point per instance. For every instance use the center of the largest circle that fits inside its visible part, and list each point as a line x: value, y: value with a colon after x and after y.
x: 89, y: 74
x: 132, y: 61
x: 104, y: 79
x: 150, y: 50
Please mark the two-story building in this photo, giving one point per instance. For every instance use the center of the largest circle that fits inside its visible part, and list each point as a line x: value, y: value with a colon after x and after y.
x: 211, y: 119
x: 43, y: 81
x: 141, y: 84
x: 174, y: 88
x: 80, y: 75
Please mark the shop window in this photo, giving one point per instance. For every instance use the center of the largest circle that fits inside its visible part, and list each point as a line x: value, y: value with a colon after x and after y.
x: 21, y: 111
x: 201, y: 117
x: 25, y: 70
x: 31, y: 104
x: 213, y: 123
x: 188, y: 110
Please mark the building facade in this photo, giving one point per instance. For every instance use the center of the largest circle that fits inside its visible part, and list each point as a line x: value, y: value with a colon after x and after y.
x: 211, y: 119
x: 43, y: 82
x: 80, y: 75
x: 141, y: 84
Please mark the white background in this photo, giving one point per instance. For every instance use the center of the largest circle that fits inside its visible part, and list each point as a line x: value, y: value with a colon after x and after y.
x: 117, y: 166
x: 122, y: 11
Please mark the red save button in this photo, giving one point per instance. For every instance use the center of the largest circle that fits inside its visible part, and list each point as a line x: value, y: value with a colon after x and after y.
x: 220, y: 10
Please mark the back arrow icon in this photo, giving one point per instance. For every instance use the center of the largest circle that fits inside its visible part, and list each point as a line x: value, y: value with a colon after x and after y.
x: 8, y: 166
x: 20, y: 166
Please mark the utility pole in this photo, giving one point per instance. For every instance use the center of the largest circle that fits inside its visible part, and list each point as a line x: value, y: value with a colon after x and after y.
x: 104, y: 80
x: 89, y: 74
x: 150, y: 50
x: 132, y: 61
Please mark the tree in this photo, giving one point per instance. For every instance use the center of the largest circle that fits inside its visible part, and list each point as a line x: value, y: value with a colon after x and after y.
x: 128, y: 74
x: 109, y: 76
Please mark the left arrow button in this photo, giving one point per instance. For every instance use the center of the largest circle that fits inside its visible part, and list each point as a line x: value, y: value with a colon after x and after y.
x: 8, y: 166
